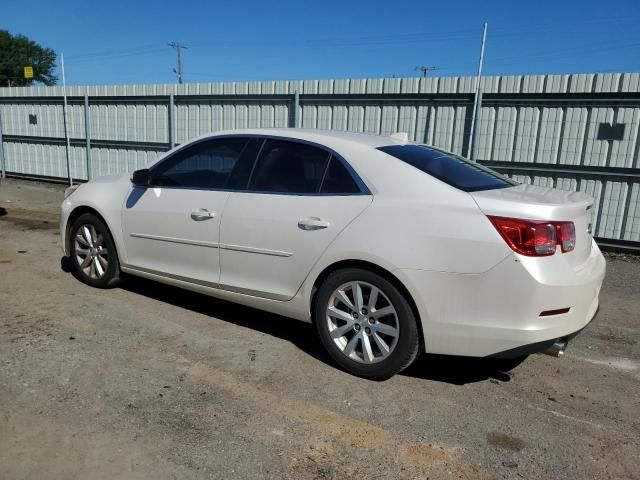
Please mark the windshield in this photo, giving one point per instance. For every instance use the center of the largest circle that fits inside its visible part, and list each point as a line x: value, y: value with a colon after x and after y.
x: 449, y: 168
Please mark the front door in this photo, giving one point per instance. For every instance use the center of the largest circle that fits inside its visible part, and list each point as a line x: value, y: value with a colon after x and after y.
x: 173, y: 226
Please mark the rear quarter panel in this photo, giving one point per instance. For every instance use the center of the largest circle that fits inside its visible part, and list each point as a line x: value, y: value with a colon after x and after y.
x: 414, y: 222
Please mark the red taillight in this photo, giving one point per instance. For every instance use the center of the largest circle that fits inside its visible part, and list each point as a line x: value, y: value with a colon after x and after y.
x: 566, y: 235
x: 535, y: 238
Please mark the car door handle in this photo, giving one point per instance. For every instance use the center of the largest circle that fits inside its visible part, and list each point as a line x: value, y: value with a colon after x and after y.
x: 312, y: 223
x: 202, y: 214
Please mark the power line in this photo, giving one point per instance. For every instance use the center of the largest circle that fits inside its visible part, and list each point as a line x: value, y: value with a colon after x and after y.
x: 131, y: 53
x: 116, y: 52
x: 559, y: 54
x: 513, y: 29
x: 525, y: 31
x: 329, y: 41
x: 535, y: 57
x: 563, y: 27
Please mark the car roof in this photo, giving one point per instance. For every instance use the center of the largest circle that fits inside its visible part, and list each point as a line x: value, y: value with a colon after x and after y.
x: 328, y: 137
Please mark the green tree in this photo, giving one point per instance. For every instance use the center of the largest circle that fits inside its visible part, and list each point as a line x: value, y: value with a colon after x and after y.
x: 17, y: 52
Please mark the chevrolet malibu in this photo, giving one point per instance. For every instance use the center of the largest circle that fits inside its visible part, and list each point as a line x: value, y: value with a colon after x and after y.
x: 390, y: 248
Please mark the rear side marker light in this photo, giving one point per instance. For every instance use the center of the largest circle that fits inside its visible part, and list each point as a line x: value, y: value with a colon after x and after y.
x: 559, y: 311
x: 535, y: 238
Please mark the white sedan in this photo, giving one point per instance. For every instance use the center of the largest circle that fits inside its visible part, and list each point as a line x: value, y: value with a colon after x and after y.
x: 390, y: 248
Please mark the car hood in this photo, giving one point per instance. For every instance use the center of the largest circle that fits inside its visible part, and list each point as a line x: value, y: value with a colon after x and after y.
x: 110, y: 178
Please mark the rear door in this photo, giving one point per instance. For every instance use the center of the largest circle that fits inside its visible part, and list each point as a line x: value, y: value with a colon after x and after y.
x: 299, y: 198
x: 173, y: 227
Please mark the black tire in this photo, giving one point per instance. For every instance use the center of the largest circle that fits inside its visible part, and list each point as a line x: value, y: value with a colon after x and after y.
x: 407, y: 344
x: 111, y: 275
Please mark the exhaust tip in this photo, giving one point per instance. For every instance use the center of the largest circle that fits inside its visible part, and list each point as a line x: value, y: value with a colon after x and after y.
x: 556, y: 350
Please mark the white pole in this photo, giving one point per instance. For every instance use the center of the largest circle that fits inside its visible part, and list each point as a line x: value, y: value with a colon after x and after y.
x: 476, y: 95
x: 64, y: 117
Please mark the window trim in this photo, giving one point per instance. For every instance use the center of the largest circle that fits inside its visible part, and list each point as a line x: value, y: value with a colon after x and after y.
x: 362, y: 186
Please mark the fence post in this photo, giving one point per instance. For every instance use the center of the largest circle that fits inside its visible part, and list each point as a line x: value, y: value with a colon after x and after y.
x: 293, y: 122
x: 87, y: 135
x: 172, y: 142
x: 2, y: 166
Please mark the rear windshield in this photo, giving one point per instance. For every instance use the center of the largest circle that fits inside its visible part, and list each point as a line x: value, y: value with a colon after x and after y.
x: 449, y: 168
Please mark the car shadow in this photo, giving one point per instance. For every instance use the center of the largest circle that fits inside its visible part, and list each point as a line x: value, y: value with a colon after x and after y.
x: 439, y: 368
x: 301, y: 334
x: 462, y: 370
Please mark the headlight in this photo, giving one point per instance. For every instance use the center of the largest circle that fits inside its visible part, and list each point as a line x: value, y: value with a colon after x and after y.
x: 70, y: 190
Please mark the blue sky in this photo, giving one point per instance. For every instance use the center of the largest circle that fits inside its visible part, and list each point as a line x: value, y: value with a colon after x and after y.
x: 126, y: 41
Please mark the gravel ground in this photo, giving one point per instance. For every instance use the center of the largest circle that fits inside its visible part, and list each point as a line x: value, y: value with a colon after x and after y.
x: 151, y: 382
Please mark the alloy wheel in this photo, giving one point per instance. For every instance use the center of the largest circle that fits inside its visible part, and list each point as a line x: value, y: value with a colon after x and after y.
x: 362, y: 322
x: 92, y: 256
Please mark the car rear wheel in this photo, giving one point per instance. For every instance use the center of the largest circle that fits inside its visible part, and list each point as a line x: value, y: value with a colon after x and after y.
x: 366, y: 324
x: 93, y: 254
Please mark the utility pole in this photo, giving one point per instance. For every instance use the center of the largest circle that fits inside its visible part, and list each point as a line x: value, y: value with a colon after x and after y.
x: 178, y: 47
x: 425, y: 69
x: 476, y: 96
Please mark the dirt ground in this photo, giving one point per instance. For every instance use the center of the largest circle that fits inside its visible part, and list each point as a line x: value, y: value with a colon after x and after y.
x: 151, y: 382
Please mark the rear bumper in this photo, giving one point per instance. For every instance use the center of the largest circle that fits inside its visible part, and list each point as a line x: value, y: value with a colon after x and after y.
x: 540, y: 347
x: 498, y: 311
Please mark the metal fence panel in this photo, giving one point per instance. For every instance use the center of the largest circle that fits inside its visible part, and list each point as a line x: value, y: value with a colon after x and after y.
x: 141, y: 122
x: 44, y: 160
x: 575, y: 132
x: 632, y: 231
x: 623, y: 151
x: 112, y: 161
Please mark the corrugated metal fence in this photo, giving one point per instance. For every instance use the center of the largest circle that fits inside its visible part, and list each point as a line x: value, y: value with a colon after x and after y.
x: 576, y: 132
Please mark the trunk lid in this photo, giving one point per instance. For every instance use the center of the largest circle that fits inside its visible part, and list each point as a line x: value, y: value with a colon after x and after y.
x: 531, y: 202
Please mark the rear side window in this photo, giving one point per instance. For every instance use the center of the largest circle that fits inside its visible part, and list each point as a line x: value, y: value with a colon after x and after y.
x: 289, y: 167
x: 338, y: 180
x: 451, y: 169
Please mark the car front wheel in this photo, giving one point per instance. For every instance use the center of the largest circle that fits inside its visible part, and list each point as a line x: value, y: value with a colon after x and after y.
x: 366, y: 324
x: 93, y: 254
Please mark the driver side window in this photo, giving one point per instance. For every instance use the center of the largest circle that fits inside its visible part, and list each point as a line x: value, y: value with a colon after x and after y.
x: 206, y: 165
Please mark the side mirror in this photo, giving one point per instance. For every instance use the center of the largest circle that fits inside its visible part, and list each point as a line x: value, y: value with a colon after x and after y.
x: 141, y: 178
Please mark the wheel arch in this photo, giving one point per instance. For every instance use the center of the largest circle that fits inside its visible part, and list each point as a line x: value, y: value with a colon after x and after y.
x: 74, y: 215
x: 372, y: 267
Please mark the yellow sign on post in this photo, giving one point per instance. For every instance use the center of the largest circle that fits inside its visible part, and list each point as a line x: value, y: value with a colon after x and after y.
x: 28, y: 72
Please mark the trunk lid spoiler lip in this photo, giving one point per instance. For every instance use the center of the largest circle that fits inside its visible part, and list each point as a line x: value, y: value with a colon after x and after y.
x: 533, y: 202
